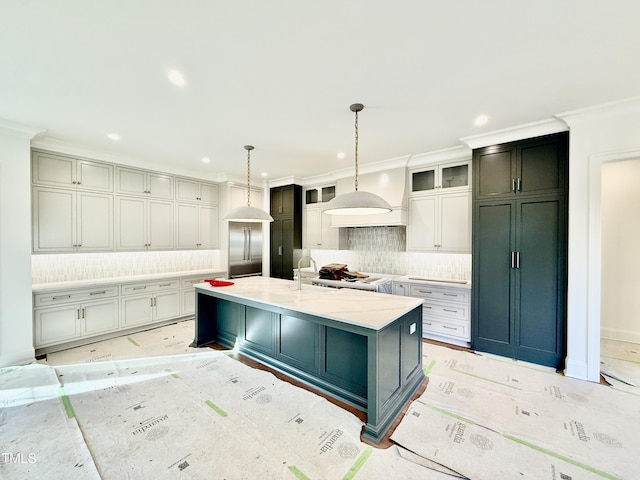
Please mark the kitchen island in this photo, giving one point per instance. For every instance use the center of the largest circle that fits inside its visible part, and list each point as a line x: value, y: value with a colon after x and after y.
x: 363, y: 348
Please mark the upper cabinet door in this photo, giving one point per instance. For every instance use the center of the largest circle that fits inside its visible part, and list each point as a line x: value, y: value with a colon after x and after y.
x: 495, y: 169
x: 69, y: 172
x: 130, y: 181
x: 439, y: 178
x: 160, y: 185
x: 530, y: 167
x: 542, y: 166
x: 188, y: 190
x: 209, y: 193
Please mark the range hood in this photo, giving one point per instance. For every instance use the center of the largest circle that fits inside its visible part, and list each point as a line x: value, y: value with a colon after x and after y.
x: 389, y: 184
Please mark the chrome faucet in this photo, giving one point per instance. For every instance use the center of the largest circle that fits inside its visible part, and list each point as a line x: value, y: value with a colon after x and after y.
x: 315, y: 269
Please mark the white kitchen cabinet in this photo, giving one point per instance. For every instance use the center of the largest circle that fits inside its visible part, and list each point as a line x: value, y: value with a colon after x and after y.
x: 446, y: 314
x: 143, y: 303
x: 447, y: 177
x: 238, y: 196
x: 70, y: 172
x: 440, y: 222
x: 188, y: 291
x: 197, y: 226
x: 67, y: 221
x: 143, y: 224
x: 130, y: 181
x: 67, y: 315
x: 189, y: 190
x: 318, y: 232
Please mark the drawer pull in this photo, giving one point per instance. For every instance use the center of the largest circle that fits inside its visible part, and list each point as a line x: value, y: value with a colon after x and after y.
x: 451, y: 294
x: 450, y: 328
x: 164, y: 285
x: 61, y: 297
x: 427, y: 323
x: 140, y: 288
x: 427, y: 306
x: 448, y: 310
x: 98, y: 293
x: 425, y: 291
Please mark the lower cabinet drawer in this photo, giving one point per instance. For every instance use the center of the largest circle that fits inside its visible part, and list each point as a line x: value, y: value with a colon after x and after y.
x: 134, y: 289
x: 453, y: 311
x: 78, y: 295
x: 445, y: 327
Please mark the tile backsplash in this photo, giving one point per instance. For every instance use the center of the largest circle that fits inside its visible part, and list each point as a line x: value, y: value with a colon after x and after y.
x: 83, y: 266
x: 383, y: 250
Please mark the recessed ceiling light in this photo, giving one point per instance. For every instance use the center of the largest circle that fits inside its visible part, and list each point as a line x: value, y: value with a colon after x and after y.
x: 176, y: 78
x: 264, y: 174
x: 113, y: 136
x: 206, y: 160
x: 481, y: 120
x: 340, y: 155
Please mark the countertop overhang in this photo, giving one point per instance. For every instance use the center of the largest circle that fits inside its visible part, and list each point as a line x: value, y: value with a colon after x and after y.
x: 44, y: 287
x: 363, y: 308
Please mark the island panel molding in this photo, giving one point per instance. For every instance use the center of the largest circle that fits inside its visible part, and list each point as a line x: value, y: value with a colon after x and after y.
x: 363, y: 348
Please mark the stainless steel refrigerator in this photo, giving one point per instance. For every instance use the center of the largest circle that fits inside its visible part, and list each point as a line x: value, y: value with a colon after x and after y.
x: 245, y: 249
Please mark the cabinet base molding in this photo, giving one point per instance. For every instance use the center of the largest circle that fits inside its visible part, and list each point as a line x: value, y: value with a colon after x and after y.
x: 42, y: 351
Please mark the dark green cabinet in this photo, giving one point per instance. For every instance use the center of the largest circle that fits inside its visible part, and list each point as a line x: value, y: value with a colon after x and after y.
x: 520, y: 251
x: 529, y: 167
x: 286, y: 230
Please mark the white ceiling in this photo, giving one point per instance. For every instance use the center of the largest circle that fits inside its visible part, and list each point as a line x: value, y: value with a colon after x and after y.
x: 281, y: 75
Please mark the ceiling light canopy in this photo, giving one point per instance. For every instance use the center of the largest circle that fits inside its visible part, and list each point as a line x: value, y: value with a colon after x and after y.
x: 247, y: 213
x: 357, y: 202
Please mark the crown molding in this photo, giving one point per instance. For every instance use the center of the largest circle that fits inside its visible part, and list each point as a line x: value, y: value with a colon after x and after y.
x: 21, y: 130
x: 529, y: 130
x: 452, y: 154
x: 604, y: 110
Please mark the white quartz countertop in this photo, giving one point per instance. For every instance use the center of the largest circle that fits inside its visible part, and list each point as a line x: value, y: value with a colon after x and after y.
x: 443, y: 282
x: 44, y: 287
x: 367, y: 309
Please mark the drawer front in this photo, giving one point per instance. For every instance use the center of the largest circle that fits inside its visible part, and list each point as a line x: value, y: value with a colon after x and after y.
x: 62, y: 297
x: 140, y: 288
x: 455, y: 312
x: 190, y: 282
x: 446, y: 328
x: 437, y: 293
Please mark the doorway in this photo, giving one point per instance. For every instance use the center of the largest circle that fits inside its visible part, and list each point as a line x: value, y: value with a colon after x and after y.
x: 620, y: 268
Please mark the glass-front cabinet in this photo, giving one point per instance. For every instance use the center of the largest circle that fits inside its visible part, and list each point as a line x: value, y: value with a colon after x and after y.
x: 320, y: 194
x: 440, y: 208
x: 317, y: 229
x: 449, y: 177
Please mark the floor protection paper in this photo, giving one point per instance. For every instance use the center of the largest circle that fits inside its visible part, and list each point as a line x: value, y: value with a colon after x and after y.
x: 39, y: 437
x: 574, y: 422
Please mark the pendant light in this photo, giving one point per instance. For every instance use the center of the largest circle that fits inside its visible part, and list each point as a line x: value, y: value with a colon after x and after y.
x: 248, y: 213
x: 357, y: 202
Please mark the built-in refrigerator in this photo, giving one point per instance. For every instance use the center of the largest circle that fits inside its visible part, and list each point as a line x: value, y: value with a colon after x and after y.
x: 245, y: 249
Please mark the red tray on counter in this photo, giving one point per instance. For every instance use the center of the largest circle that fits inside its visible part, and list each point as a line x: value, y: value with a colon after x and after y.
x: 219, y: 283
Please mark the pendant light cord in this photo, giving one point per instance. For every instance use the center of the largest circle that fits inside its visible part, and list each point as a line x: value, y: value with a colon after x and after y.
x: 356, y: 125
x: 248, y: 148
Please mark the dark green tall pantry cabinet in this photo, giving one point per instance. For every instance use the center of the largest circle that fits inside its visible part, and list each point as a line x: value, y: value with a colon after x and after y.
x: 286, y: 230
x: 519, y: 252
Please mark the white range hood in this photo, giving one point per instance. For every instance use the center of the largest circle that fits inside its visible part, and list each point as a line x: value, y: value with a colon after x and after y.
x: 389, y: 184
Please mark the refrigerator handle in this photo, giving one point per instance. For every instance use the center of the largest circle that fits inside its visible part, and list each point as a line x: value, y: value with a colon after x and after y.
x: 249, y: 244
x: 244, y: 244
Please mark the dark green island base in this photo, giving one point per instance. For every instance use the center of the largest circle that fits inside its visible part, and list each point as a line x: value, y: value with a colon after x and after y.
x: 368, y: 355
